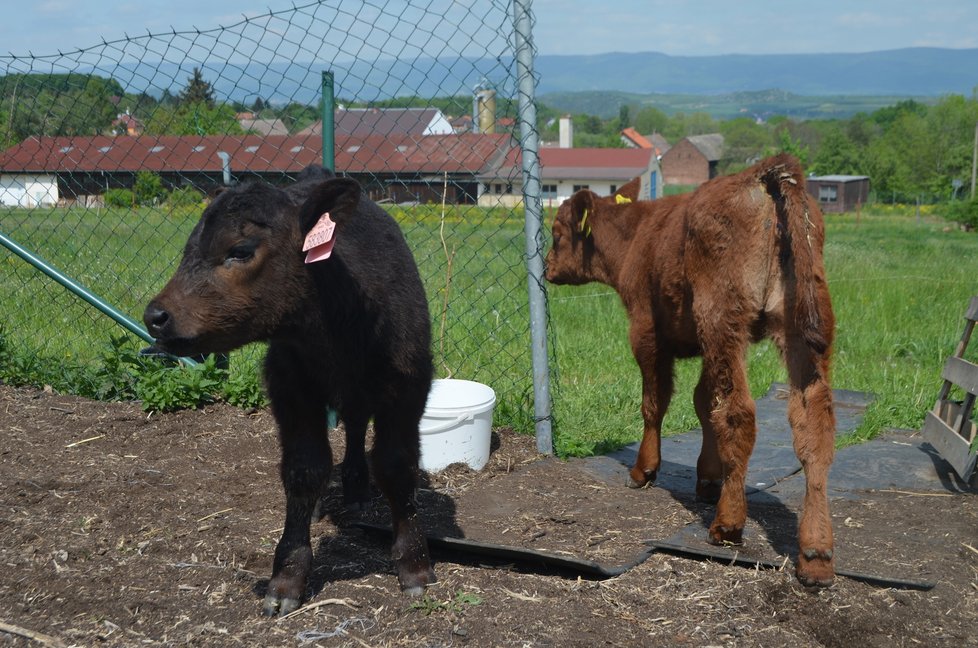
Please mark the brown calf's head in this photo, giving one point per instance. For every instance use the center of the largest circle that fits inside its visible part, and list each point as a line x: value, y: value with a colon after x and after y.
x: 569, y: 259
x: 242, y: 274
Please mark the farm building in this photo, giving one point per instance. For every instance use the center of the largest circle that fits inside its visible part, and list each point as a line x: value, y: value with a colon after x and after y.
x: 565, y: 170
x: 28, y: 190
x: 839, y: 193
x: 693, y: 160
x: 399, y: 169
x: 362, y: 122
x: 631, y: 138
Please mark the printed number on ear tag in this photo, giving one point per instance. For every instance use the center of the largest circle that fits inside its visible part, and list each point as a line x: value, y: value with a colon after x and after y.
x: 319, y: 241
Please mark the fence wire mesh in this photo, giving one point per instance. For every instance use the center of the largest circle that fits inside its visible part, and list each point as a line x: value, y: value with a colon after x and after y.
x: 110, y: 153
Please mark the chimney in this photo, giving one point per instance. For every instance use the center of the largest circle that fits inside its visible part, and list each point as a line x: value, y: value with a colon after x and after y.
x: 225, y: 167
x: 566, y: 132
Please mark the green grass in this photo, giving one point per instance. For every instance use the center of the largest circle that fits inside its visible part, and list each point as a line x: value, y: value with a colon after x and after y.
x: 899, y: 288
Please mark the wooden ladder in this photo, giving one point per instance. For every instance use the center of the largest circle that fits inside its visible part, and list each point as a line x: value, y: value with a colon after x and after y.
x: 949, y: 426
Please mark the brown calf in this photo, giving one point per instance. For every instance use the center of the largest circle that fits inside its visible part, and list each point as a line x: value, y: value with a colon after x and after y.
x: 705, y: 274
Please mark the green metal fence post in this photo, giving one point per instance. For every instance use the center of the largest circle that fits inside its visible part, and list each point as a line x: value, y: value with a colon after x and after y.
x: 329, y: 140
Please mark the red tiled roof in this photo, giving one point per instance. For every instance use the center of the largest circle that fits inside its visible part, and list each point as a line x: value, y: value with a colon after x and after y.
x: 636, y: 137
x: 466, y: 153
x: 574, y: 163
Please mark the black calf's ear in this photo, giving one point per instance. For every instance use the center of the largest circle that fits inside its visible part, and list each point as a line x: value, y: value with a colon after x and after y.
x: 339, y: 197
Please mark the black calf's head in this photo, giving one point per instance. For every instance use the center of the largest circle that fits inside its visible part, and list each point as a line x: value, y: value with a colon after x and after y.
x: 242, y: 272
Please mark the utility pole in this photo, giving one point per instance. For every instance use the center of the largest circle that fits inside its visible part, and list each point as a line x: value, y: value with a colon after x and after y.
x: 974, y: 162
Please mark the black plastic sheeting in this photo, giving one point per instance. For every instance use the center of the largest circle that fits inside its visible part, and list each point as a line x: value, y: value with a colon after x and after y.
x: 897, y: 460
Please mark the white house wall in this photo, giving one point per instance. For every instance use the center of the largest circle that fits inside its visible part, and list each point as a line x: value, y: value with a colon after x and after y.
x: 439, y: 125
x: 27, y: 190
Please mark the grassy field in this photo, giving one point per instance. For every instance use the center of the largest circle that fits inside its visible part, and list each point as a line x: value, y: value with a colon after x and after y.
x: 899, y: 285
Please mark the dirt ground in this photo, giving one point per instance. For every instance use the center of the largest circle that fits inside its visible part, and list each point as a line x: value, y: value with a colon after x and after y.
x: 120, y: 528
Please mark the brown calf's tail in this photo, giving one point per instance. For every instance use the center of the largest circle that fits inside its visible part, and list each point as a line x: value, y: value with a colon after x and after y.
x: 800, y: 249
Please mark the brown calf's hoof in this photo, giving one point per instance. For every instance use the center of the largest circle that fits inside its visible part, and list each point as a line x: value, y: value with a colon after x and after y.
x: 641, y: 478
x: 722, y: 536
x: 815, y: 568
x: 708, y: 490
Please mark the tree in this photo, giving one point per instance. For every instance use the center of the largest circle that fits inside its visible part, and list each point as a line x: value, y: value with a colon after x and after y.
x: 787, y: 144
x: 197, y: 91
x: 837, y: 154
x: 148, y: 188
x: 743, y: 140
x: 623, y: 121
x: 651, y: 120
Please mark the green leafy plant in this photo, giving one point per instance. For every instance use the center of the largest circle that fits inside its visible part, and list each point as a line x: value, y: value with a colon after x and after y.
x: 428, y: 605
x: 184, y: 197
x: 964, y: 212
x: 244, y: 389
x: 118, y: 198
x: 148, y: 188
x: 117, y: 374
x: 166, y: 389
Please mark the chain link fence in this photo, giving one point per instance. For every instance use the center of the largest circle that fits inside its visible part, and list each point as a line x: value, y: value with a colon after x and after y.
x: 109, y: 154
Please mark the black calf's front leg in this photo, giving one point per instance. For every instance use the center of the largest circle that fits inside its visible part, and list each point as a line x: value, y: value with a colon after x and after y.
x: 306, y: 464
x: 305, y: 472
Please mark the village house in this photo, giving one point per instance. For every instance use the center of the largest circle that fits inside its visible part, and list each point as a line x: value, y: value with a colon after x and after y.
x: 692, y: 160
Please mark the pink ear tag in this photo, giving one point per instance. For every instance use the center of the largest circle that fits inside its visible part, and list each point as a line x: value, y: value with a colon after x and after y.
x: 319, y: 241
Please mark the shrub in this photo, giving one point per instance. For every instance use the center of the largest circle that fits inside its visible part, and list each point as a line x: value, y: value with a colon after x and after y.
x: 964, y: 212
x: 118, y: 198
x: 184, y: 197
x: 148, y: 188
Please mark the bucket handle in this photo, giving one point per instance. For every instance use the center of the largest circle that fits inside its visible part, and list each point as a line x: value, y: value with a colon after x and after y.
x: 441, y: 427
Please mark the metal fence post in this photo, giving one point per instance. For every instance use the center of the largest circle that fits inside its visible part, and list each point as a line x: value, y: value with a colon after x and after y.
x: 329, y: 140
x: 533, y: 226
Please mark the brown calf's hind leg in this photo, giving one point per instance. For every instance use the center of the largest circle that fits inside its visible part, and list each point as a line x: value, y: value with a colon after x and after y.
x: 732, y: 415
x: 813, y: 427
x: 709, y: 471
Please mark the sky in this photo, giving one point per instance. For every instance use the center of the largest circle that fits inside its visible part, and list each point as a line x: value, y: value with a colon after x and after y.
x: 675, y: 27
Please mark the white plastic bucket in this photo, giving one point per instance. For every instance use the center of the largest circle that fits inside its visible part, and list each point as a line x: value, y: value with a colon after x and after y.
x: 457, y: 424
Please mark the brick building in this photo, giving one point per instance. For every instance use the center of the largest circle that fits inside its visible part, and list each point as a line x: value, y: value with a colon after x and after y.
x: 693, y: 160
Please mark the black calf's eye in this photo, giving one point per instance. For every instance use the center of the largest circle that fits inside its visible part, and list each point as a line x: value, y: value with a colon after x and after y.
x: 240, y: 253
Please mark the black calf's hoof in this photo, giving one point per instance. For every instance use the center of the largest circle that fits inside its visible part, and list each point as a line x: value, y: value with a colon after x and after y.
x: 413, y: 584
x: 274, y: 605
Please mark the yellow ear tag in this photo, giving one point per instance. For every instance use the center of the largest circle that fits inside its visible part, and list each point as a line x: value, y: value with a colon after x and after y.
x: 622, y: 200
x: 585, y: 228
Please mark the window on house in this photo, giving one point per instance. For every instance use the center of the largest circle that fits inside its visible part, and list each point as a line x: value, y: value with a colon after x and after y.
x: 548, y: 191
x: 828, y: 193
x: 581, y: 186
x: 614, y: 188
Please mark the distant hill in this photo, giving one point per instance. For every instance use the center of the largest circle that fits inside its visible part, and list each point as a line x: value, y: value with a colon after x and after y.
x: 760, y: 104
x: 918, y: 72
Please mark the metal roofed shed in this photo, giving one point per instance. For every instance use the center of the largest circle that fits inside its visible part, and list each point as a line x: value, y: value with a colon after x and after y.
x: 839, y: 193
